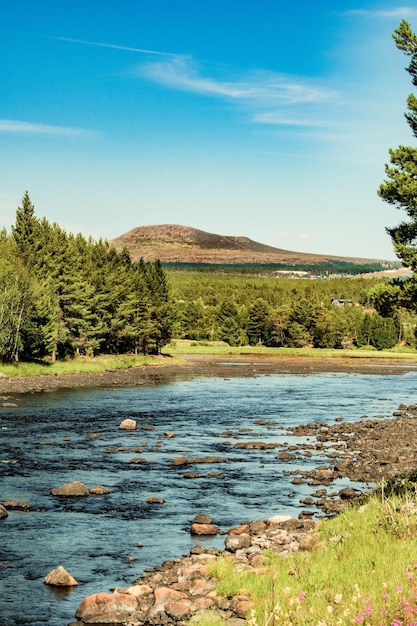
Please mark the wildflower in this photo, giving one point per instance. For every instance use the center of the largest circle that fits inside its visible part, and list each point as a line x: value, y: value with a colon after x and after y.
x: 329, y: 609
x: 357, y: 593
x: 286, y: 591
x: 398, y: 589
x: 301, y: 597
x: 338, y: 598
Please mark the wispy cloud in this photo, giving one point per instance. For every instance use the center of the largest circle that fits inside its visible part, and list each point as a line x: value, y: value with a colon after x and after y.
x: 279, y: 118
x: 31, y: 128
x: 266, y: 95
x: 113, y: 46
x: 260, y: 86
x: 398, y: 12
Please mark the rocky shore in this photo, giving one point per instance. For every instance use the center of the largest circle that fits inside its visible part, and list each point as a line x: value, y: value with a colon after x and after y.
x: 181, y: 590
x: 366, y: 452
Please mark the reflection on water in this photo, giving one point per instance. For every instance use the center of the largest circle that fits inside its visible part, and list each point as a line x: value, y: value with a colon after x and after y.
x: 59, y: 437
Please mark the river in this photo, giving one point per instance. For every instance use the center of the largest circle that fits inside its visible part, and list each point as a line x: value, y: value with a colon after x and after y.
x: 54, y: 438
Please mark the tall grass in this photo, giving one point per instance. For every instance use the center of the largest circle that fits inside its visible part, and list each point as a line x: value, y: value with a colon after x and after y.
x: 84, y: 365
x: 362, y: 570
x: 219, y: 348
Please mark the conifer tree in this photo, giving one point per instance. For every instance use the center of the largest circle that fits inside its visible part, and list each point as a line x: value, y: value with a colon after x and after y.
x: 25, y: 230
x: 400, y: 188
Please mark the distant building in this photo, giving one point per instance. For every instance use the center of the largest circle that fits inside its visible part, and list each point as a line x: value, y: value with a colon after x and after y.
x: 340, y: 302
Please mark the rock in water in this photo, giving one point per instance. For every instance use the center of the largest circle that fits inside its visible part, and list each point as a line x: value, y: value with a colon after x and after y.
x: 128, y: 424
x: 70, y: 489
x: 3, y: 512
x: 107, y: 608
x: 59, y: 577
x: 99, y: 490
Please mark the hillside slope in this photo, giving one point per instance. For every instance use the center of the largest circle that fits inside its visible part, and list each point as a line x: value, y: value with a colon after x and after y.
x: 183, y: 244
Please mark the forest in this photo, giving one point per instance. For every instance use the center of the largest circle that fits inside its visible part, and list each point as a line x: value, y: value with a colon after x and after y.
x: 283, y: 312
x: 62, y: 295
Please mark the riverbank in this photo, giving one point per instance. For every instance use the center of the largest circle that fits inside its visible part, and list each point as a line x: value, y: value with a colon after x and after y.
x: 328, y: 405
x: 273, y: 570
x: 164, y: 369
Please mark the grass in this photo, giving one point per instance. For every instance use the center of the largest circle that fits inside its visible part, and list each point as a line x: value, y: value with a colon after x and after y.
x: 84, y: 365
x: 362, y: 570
x: 218, y: 348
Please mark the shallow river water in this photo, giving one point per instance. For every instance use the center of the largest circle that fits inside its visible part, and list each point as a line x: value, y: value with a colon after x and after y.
x: 58, y: 437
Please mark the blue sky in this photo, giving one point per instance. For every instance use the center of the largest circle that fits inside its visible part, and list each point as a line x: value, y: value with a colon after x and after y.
x: 269, y: 119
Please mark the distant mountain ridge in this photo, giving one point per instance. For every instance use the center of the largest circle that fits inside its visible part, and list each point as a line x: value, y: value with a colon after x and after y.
x: 172, y: 243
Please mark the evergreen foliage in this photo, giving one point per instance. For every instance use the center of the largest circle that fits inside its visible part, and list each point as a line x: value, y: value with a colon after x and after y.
x: 400, y: 190
x: 284, y: 312
x: 63, y: 295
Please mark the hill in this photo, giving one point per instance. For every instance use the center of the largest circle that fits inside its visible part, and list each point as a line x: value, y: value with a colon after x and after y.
x: 172, y: 243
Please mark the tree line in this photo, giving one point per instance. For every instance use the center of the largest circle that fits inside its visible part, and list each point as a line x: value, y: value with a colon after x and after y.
x: 63, y: 295
x: 334, y: 313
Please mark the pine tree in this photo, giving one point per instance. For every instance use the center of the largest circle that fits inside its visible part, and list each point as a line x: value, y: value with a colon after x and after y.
x: 26, y: 230
x: 400, y: 188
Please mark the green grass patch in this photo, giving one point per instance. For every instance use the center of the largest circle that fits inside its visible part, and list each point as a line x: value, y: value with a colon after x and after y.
x: 362, y: 570
x: 219, y: 348
x: 83, y: 365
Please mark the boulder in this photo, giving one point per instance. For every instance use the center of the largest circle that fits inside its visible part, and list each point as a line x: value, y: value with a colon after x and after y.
x: 107, y: 608
x: 15, y: 505
x: 324, y: 474
x: 3, y: 512
x: 179, y: 460
x: 255, y: 445
x: 190, y: 475
x: 235, y: 542
x: 128, y: 424
x: 169, y: 434
x: 348, y: 492
x: 202, y: 518
x: 154, y: 500
x: 286, y: 456
x: 207, y: 459
x: 204, y: 529
x: 59, y: 577
x: 165, y: 596
x: 75, y: 489
x: 98, y: 490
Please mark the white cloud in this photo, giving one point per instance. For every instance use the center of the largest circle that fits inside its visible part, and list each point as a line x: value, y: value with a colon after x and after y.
x: 261, y: 87
x: 31, y: 128
x: 113, y: 46
x: 268, y: 97
x: 398, y: 12
x: 279, y: 118
x: 263, y: 94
